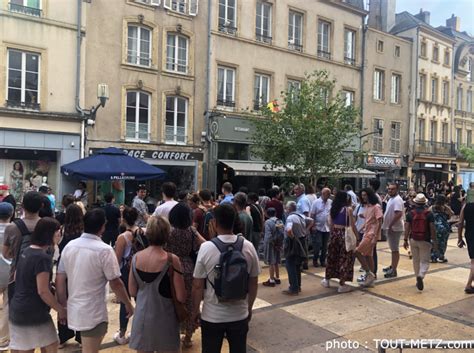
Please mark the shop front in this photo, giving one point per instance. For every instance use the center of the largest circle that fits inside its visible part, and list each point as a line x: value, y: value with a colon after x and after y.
x: 426, y: 172
x: 388, y: 169
x: 182, y: 168
x: 30, y: 159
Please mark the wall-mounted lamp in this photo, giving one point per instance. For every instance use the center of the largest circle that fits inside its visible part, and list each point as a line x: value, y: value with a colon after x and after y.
x: 102, y: 96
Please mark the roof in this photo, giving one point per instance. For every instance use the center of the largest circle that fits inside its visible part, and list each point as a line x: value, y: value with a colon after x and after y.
x: 405, y: 21
x: 456, y: 34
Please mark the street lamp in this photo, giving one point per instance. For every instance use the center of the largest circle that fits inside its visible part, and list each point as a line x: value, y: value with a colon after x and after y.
x: 378, y: 131
x: 102, y: 96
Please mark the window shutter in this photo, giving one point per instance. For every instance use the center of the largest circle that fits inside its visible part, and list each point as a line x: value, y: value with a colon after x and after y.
x: 167, y: 4
x: 155, y: 2
x: 193, y: 7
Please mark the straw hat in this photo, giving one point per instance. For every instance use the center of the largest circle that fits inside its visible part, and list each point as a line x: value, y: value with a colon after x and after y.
x: 420, y: 199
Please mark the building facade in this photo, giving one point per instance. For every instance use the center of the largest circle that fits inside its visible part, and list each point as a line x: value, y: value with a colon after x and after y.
x: 463, y: 79
x: 152, y: 54
x: 260, y: 48
x: 39, y: 127
x: 433, y: 152
x: 386, y: 113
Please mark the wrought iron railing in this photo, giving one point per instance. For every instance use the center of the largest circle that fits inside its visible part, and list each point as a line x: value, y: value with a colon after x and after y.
x: 433, y: 148
x: 262, y: 38
x: 32, y: 11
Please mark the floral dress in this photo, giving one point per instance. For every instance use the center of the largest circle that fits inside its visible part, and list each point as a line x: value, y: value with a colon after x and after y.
x: 180, y: 243
x: 16, y: 185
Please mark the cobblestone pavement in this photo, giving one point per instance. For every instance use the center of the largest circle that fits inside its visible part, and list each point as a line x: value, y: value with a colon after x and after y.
x: 393, y: 309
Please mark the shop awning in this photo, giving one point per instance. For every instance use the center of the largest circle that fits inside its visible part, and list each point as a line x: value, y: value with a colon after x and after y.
x: 252, y: 168
x: 359, y: 173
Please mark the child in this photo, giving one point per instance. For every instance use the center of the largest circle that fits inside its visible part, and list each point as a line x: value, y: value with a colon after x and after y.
x: 6, y: 212
x: 273, y: 243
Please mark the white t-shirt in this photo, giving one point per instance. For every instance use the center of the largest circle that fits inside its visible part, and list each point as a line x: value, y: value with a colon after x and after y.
x: 394, y: 204
x: 89, y: 264
x: 208, y: 257
x: 164, y: 209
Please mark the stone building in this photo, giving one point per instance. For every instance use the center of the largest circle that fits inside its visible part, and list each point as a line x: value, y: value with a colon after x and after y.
x: 39, y: 127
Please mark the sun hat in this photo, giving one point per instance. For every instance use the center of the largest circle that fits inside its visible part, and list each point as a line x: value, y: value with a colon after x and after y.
x: 420, y: 199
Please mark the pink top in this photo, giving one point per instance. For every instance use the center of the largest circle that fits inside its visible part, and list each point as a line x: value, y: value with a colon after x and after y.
x: 372, y: 214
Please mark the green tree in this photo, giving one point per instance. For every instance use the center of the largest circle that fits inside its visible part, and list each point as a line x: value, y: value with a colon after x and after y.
x: 310, y: 135
x: 468, y: 153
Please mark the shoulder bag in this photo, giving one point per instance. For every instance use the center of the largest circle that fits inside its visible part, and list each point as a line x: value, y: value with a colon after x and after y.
x: 349, y: 236
x: 180, y: 308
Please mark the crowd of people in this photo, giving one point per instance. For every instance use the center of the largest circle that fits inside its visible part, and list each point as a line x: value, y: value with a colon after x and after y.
x: 201, y: 248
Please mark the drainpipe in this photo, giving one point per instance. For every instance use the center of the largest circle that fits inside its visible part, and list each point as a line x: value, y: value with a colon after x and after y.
x: 414, y: 114
x: 78, y: 75
x: 209, y: 170
x: 362, y: 87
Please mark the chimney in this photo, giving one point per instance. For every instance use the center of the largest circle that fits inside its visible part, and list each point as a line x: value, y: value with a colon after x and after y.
x: 454, y: 22
x: 424, y: 16
x: 382, y: 14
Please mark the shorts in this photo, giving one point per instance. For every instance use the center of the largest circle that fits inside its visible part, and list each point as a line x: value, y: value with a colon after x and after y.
x: 393, y: 239
x: 99, y: 331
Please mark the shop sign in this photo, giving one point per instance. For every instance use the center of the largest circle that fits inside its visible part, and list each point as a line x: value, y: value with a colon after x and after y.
x: 374, y: 160
x: 161, y: 155
x: 433, y: 165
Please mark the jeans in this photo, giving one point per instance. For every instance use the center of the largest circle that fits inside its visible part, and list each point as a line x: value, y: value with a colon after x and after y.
x: 235, y: 332
x: 293, y: 267
x: 320, y: 245
x: 123, y: 312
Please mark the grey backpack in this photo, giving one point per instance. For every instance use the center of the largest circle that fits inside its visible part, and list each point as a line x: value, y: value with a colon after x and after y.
x: 231, y: 274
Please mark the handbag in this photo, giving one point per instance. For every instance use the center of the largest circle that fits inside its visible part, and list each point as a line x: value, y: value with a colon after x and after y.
x: 180, y: 308
x: 349, y: 236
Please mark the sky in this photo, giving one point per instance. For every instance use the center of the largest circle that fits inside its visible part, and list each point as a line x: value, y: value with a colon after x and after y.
x: 440, y: 10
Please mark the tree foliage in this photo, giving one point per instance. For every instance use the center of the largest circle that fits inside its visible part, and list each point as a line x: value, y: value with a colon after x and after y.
x: 468, y: 153
x: 310, y: 136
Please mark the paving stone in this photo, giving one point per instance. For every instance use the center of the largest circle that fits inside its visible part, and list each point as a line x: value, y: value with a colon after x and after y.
x: 279, y: 331
x: 460, y: 310
x: 349, y: 312
x: 458, y: 274
x: 418, y: 326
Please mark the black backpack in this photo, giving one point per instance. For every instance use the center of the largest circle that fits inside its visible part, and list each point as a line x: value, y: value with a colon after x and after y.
x: 231, y: 274
x: 139, y: 243
x: 25, y: 240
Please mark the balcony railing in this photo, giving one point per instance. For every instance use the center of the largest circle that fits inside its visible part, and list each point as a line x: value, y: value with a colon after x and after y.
x: 463, y: 113
x: 262, y: 38
x: 228, y: 29
x: 432, y: 148
x: 32, y: 11
x: 23, y: 105
x: 294, y: 46
x: 225, y: 103
x: 348, y: 60
x: 324, y: 54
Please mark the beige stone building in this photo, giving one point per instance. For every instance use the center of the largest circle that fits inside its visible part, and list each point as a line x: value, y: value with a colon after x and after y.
x: 39, y: 127
x: 433, y: 153
x: 463, y: 71
x: 260, y: 48
x: 386, y: 113
x: 152, y: 54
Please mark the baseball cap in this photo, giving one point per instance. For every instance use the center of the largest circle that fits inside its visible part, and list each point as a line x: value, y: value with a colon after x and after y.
x: 4, y: 187
x: 6, y: 209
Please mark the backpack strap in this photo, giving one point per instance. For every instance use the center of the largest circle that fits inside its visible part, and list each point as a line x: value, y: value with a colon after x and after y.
x: 223, y: 247
x: 22, y: 227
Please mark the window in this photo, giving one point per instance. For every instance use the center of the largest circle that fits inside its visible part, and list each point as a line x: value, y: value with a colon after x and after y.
x: 261, y: 90
x: 177, y: 53
x: 294, y: 87
x: 28, y: 7
x: 395, y: 133
x: 469, y: 101
x: 458, y: 137
x: 423, y: 49
x: 23, y: 79
x: 295, y: 31
x: 421, y: 129
x: 176, y: 119
x: 395, y: 92
x: 228, y: 16
x: 226, y: 86
x: 446, y: 93
x: 422, y: 89
x: 377, y: 140
x: 137, y: 116
x: 469, y: 138
x: 263, y: 25
x: 324, y: 93
x: 349, y: 46
x: 397, y: 51
x: 446, y: 57
x: 379, y: 78
x: 433, y: 131
x: 435, y: 53
x: 182, y: 6
x: 444, y: 133
x: 139, y: 46
x: 470, y: 75
x: 234, y: 151
x: 348, y: 98
x: 380, y: 46
x: 178, y: 5
x: 434, y: 90
x: 324, y: 37
x: 459, y: 99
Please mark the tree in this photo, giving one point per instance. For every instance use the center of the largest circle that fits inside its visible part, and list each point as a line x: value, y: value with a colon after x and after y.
x: 311, y: 133
x: 468, y: 153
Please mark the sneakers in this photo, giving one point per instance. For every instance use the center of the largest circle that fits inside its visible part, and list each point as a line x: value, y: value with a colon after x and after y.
x: 305, y: 266
x: 369, y: 280
x: 277, y: 281
x: 344, y: 289
x: 390, y: 273
x: 121, y: 340
x: 362, y: 277
x: 386, y: 269
x: 442, y: 260
x: 419, y: 283
x: 4, y: 347
x: 325, y: 283
x: 269, y: 283
x: 289, y: 292
x: 469, y: 290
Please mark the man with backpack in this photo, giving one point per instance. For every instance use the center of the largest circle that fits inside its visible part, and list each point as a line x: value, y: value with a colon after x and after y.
x: 421, y: 233
x: 226, y: 279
